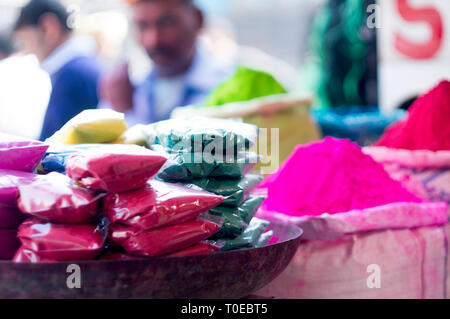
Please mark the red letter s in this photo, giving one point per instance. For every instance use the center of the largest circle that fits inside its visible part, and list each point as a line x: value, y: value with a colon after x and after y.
x: 420, y: 50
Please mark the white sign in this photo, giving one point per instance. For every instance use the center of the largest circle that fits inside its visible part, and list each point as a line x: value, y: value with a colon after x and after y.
x: 414, y: 48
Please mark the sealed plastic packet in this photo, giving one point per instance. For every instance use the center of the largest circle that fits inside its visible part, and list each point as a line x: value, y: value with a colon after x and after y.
x: 54, y: 198
x: 117, y: 168
x: 203, y: 248
x: 136, y: 135
x: 91, y: 126
x: 61, y: 242
x: 188, y: 166
x: 8, y: 243
x: 10, y: 217
x: 237, y: 219
x: 233, y: 224
x: 9, y: 185
x: 56, y: 157
x: 158, y: 204
x: 197, y: 134
x: 164, y: 240
x: 21, y: 154
x: 236, y: 190
x: 264, y: 239
x: 250, y: 207
x: 249, y: 237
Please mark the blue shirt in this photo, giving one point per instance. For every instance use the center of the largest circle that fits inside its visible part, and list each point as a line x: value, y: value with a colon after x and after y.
x: 74, y: 90
x: 203, y: 76
x: 74, y: 72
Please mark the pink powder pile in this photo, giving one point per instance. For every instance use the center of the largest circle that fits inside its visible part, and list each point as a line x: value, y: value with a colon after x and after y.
x: 331, y: 176
x: 427, y: 126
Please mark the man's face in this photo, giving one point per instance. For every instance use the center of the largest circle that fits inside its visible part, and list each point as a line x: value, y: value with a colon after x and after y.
x: 31, y: 40
x: 167, y: 30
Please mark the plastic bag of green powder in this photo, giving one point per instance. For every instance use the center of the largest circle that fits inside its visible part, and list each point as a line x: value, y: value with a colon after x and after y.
x: 249, y: 237
x: 233, y: 224
x: 199, y: 134
x: 237, y: 219
x: 187, y: 166
x: 250, y: 207
x: 245, y: 85
x: 264, y: 239
x: 235, y: 190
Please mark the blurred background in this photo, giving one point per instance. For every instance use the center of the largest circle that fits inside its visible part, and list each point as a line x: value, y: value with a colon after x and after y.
x: 327, y: 47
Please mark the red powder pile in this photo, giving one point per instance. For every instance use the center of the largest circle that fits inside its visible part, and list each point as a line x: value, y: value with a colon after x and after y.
x: 427, y: 126
x: 331, y: 176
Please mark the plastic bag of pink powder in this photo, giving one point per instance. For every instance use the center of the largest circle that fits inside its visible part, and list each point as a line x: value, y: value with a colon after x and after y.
x: 9, y: 185
x: 24, y: 255
x: 158, y: 204
x: 18, y: 153
x: 119, y: 256
x: 10, y: 217
x: 162, y: 241
x: 55, y: 199
x: 203, y: 248
x: 8, y: 243
x: 62, y: 242
x: 118, y: 168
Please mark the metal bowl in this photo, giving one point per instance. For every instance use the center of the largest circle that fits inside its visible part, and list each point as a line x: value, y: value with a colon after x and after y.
x: 233, y: 274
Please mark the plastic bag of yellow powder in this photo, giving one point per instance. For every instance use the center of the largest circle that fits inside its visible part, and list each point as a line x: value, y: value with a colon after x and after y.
x: 91, y: 126
x: 246, y: 84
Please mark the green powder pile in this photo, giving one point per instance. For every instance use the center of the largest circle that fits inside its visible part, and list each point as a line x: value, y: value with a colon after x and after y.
x: 246, y: 84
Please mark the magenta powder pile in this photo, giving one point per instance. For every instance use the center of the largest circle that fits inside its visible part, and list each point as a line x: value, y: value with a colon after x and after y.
x: 427, y: 126
x: 331, y: 176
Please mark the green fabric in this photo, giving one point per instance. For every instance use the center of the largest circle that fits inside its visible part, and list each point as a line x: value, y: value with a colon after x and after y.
x: 337, y: 67
x: 246, y: 84
x: 235, y: 190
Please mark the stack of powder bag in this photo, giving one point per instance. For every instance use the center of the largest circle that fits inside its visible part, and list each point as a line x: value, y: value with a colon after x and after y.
x: 361, y: 228
x: 66, y: 223
x: 214, y: 155
x: 148, y: 217
x: 18, y: 159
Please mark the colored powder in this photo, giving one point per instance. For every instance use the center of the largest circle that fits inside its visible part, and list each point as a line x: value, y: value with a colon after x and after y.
x: 8, y: 243
x: 61, y: 242
x: 245, y: 85
x: 10, y: 181
x: 331, y: 176
x: 164, y: 240
x: 10, y: 217
x: 21, y: 154
x: 203, y: 248
x: 116, y: 168
x: 427, y: 126
x: 54, y: 198
x: 158, y: 204
x: 236, y: 190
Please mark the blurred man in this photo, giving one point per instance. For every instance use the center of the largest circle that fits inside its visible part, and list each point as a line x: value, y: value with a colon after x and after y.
x: 184, y: 71
x: 43, y: 29
x: 6, y: 47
